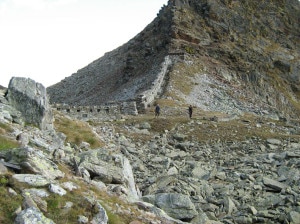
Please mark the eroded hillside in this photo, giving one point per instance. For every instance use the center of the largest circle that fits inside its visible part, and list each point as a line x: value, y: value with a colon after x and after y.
x: 210, y: 167
x: 237, y: 53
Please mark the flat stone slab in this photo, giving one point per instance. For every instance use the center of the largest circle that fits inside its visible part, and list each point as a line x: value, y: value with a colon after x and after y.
x: 274, y: 184
x: 32, y: 179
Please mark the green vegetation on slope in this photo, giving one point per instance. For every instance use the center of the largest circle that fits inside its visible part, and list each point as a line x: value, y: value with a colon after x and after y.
x: 76, y: 131
x: 5, y: 141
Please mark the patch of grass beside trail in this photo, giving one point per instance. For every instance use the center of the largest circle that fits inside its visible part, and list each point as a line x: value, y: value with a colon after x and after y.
x: 204, y: 127
x: 76, y: 131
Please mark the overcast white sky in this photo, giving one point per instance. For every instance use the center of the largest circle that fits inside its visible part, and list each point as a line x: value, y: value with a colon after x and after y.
x: 48, y: 40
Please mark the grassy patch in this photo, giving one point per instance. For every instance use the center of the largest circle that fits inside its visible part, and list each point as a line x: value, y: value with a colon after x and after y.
x: 7, y: 209
x: 281, y: 86
x: 76, y: 131
x: 205, y: 130
x: 164, y: 103
x: 161, y: 124
x: 56, y: 203
x: 119, y: 219
x: 7, y: 143
x: 180, y: 79
x: 5, y: 127
x: 81, y: 206
x: 59, y: 214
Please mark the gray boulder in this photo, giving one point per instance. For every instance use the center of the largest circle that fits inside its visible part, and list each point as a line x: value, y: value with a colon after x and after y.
x: 3, y: 169
x: 101, y: 216
x: 177, y: 206
x: 35, y: 161
x: 30, y: 98
x: 276, y: 185
x: 294, y: 217
x: 33, y: 200
x: 109, y: 169
x: 54, y: 188
x: 32, y: 215
x: 157, y: 211
x: 31, y: 179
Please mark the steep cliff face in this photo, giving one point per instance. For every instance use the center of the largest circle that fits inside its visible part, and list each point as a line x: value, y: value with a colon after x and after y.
x: 249, y: 47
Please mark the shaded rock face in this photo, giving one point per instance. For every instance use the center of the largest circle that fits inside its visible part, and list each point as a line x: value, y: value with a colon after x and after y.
x: 30, y: 98
x: 251, y: 46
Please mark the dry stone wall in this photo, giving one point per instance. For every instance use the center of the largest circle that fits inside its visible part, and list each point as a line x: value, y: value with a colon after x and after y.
x: 146, y: 98
x: 113, y: 111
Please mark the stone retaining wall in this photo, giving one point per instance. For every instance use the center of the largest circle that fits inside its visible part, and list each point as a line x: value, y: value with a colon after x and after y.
x: 112, y: 111
x: 146, y: 98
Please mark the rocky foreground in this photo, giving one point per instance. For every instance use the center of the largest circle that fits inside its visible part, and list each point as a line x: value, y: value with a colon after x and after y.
x: 250, y: 181
x: 210, y: 169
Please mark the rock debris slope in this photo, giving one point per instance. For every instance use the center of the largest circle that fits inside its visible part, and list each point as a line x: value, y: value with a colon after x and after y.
x: 169, y: 170
x: 252, y: 47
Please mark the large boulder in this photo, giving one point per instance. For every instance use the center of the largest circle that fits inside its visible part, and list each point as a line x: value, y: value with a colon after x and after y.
x: 109, y: 169
x: 32, y: 215
x: 30, y: 98
x: 34, y: 161
x: 177, y: 206
x: 32, y: 179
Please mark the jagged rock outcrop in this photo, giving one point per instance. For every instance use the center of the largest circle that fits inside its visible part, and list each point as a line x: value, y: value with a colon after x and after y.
x: 34, y: 161
x: 101, y: 165
x: 30, y: 98
x: 251, y: 48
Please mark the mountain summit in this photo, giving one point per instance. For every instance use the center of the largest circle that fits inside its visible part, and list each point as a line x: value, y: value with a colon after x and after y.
x: 221, y: 55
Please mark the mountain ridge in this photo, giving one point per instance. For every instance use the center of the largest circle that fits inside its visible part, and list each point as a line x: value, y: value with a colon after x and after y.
x: 252, y: 47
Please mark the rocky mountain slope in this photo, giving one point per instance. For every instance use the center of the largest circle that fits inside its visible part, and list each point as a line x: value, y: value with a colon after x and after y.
x: 214, y: 168
x: 245, y: 54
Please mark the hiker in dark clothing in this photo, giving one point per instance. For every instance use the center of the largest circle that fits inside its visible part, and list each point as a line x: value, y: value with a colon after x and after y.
x: 190, y: 111
x: 157, y: 110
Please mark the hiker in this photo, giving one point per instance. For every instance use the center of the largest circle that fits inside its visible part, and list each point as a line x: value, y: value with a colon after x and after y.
x: 190, y: 111
x: 157, y: 110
